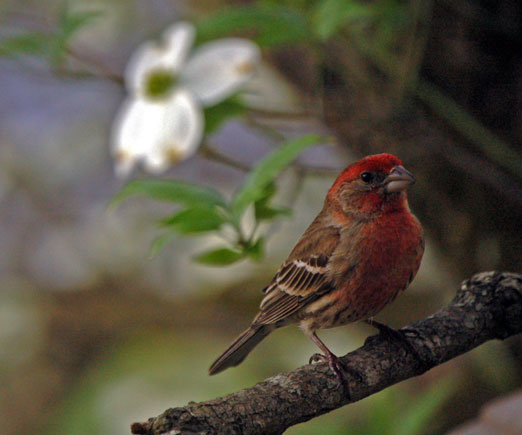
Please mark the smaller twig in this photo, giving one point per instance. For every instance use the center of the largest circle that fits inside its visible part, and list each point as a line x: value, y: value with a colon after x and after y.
x: 101, y: 70
x: 266, y: 130
x: 293, y: 116
x: 210, y: 153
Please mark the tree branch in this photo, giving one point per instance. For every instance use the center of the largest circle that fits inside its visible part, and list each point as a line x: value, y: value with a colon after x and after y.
x: 487, y: 306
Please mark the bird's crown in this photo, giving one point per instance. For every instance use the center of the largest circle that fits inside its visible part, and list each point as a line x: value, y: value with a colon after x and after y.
x: 376, y: 163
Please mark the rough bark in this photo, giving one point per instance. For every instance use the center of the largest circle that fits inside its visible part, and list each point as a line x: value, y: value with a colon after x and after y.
x: 487, y: 306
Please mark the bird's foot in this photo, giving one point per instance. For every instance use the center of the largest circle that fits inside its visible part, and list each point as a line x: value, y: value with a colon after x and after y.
x: 334, y: 363
x: 338, y: 368
x: 400, y: 338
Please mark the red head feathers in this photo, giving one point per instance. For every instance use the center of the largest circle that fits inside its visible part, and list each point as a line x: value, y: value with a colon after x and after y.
x: 376, y: 163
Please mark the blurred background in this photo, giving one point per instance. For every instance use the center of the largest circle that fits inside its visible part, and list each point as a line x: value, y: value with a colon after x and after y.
x: 95, y: 333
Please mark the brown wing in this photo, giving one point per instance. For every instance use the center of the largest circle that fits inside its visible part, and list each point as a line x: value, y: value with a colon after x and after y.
x: 300, y: 280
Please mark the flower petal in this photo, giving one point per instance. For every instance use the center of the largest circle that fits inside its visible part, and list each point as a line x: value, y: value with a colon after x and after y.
x: 134, y: 133
x: 218, y: 69
x: 166, y: 55
x: 179, y: 38
x: 179, y: 132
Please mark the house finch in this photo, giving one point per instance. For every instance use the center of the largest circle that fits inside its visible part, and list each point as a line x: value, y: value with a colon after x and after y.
x: 359, y: 253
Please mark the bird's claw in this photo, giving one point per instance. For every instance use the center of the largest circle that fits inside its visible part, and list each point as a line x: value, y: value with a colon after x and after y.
x: 317, y: 357
x: 334, y: 363
x: 337, y: 366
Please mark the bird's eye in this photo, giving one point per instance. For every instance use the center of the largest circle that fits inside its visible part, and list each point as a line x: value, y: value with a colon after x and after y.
x: 367, y: 177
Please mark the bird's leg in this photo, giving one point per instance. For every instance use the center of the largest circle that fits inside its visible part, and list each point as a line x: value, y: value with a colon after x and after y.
x: 334, y: 362
x: 328, y: 356
x: 397, y: 336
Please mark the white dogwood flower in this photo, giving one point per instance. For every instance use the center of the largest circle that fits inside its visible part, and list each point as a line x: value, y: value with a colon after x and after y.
x: 161, y: 122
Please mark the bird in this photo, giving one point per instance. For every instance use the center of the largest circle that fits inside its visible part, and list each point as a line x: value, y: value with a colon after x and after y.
x: 362, y: 250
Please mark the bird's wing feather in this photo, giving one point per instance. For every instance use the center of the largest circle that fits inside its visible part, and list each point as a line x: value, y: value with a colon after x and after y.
x: 300, y: 279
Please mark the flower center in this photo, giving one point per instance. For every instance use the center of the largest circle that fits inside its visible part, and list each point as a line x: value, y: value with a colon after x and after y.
x: 245, y: 67
x: 122, y: 156
x: 158, y: 83
x: 174, y: 155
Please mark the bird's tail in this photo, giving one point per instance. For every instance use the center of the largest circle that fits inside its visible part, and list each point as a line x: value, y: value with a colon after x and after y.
x: 240, y: 348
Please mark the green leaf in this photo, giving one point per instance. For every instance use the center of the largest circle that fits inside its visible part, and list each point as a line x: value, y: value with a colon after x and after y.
x: 33, y: 44
x: 69, y: 23
x: 53, y: 45
x: 267, y: 24
x: 269, y: 167
x: 262, y: 208
x: 181, y: 192
x: 264, y: 212
x: 256, y: 251
x: 331, y: 15
x: 72, y: 21
x: 220, y: 257
x: 216, y: 115
x: 195, y: 220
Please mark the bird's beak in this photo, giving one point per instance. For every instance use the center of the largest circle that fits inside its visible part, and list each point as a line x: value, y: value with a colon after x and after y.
x: 399, y: 179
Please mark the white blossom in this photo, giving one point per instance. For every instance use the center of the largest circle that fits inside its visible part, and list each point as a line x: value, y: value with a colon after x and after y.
x: 161, y: 121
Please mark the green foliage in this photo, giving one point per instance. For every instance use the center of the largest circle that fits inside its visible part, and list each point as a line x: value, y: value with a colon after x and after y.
x: 52, y: 46
x: 256, y: 251
x: 329, y: 16
x: 273, y: 23
x: 72, y: 21
x: 204, y: 209
x: 259, y: 179
x: 195, y: 220
x: 263, y: 210
x: 266, y: 23
x: 32, y: 44
x: 220, y: 257
x: 225, y: 256
x: 180, y: 192
x: 69, y: 23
